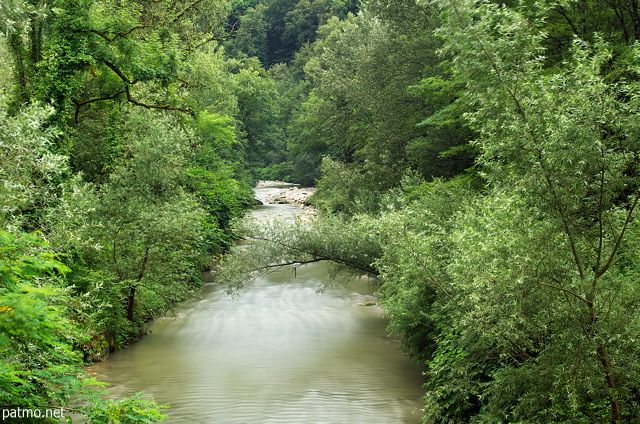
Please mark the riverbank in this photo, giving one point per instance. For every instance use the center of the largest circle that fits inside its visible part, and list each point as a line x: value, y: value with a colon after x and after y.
x: 293, y: 195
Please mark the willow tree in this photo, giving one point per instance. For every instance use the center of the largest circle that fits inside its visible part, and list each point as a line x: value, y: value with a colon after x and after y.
x: 542, y: 271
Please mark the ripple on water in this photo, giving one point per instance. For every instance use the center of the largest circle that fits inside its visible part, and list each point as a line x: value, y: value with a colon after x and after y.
x: 278, y: 353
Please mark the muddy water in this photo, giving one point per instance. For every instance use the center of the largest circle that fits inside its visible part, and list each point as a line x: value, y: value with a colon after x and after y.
x: 278, y: 353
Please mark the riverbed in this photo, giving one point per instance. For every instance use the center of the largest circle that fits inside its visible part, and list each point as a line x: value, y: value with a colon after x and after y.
x: 279, y: 352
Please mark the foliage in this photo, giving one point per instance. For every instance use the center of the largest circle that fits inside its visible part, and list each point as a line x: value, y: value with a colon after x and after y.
x: 30, y: 171
x: 350, y: 245
x: 514, y: 280
x: 257, y: 109
x: 274, y: 30
x: 126, y: 411
x: 343, y: 189
x: 416, y: 227
x: 381, y: 100
x: 80, y: 54
x: 38, y: 365
x: 146, y: 229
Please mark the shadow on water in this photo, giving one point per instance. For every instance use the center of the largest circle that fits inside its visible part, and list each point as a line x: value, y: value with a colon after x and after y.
x: 278, y: 353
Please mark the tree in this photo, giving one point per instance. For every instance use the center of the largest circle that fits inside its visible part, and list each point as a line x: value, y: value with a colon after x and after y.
x: 38, y: 366
x: 541, y: 263
x: 302, y: 22
x: 144, y: 230
x: 374, y: 78
x: 274, y: 30
x: 251, y: 38
x: 82, y: 52
x: 30, y: 172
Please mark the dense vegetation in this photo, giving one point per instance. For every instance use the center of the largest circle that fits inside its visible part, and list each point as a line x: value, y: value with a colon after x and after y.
x: 479, y: 157
x: 125, y: 134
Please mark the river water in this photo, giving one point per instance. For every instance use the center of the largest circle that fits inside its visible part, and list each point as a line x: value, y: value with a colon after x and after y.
x: 278, y: 353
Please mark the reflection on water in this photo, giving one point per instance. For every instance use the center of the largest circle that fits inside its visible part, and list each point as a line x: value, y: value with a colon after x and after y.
x: 278, y: 353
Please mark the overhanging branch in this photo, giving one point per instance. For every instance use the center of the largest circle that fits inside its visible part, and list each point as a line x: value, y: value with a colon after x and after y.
x: 78, y: 104
x: 319, y: 257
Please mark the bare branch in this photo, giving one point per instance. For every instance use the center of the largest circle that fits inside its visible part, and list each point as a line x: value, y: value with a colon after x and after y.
x: 283, y: 264
x: 318, y: 257
x: 143, y: 266
x: 130, y: 98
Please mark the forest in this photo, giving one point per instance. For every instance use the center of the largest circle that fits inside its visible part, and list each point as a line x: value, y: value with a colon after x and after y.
x: 479, y: 158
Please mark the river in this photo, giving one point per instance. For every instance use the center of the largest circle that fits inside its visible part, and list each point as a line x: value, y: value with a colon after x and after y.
x: 278, y: 353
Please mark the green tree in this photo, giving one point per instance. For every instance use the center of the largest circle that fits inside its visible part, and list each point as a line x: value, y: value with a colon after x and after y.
x: 38, y: 365
x: 274, y: 30
x: 30, y: 172
x: 142, y: 231
x: 251, y: 38
x: 374, y: 79
x: 539, y: 327
x: 257, y: 112
x: 302, y: 22
x: 78, y: 53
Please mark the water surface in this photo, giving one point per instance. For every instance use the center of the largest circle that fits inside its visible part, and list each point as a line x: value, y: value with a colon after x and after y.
x: 278, y: 353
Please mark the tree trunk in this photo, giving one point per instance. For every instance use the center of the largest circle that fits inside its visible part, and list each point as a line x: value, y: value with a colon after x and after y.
x: 603, y: 357
x: 635, y: 18
x: 131, y: 302
x: 20, y: 70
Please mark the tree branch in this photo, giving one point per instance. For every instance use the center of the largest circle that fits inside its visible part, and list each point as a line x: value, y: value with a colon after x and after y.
x: 571, y: 292
x: 118, y: 72
x: 143, y: 266
x: 104, y: 34
x: 162, y: 107
x: 79, y: 104
x: 614, y: 251
x: 318, y: 257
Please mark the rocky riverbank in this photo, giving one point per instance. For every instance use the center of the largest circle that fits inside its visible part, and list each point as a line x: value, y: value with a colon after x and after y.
x: 293, y: 195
